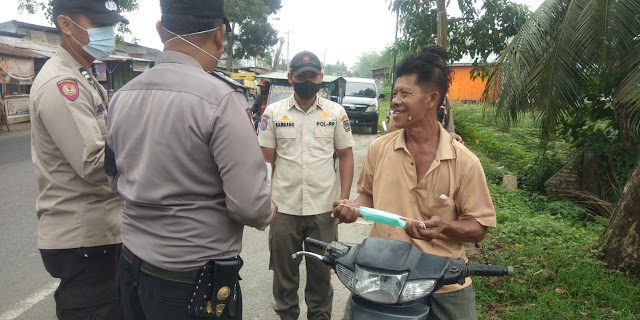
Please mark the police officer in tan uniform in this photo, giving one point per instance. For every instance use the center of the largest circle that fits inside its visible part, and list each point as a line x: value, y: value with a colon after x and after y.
x: 298, y: 136
x: 189, y: 168
x: 79, y: 216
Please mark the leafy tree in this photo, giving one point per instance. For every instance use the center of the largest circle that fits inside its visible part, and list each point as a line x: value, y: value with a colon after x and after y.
x: 366, y: 62
x: 478, y: 33
x: 251, y: 34
x: 572, y: 62
x: 338, y: 69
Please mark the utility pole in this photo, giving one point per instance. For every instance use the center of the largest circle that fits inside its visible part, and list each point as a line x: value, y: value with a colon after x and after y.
x: 441, y: 7
x: 288, y: 46
x: 395, y: 55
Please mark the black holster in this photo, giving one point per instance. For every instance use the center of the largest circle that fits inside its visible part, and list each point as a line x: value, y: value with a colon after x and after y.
x: 216, y: 291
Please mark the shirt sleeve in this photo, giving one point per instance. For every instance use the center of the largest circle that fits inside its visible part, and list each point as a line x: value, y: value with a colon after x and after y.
x: 72, y: 123
x: 266, y: 129
x: 365, y: 181
x: 473, y: 199
x: 343, y: 136
x: 235, y: 149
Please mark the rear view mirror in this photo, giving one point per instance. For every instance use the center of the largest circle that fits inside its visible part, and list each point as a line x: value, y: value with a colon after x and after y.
x: 381, y: 96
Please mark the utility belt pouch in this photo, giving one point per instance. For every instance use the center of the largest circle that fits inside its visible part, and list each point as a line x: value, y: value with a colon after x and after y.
x: 215, y: 294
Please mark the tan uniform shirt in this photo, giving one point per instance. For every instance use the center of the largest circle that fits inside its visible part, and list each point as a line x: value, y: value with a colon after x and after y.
x: 75, y: 206
x: 453, y: 188
x: 304, y: 180
x: 190, y: 168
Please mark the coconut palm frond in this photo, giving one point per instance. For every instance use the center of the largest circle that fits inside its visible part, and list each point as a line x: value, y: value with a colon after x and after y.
x: 537, y: 71
x: 628, y: 93
x: 555, y: 85
x: 508, y: 81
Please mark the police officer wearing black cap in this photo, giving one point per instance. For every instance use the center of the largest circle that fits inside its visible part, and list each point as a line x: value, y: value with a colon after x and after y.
x: 188, y: 166
x: 299, y: 136
x: 79, y: 216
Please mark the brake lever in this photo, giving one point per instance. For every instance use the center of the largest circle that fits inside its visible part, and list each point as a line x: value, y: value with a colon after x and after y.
x: 307, y: 254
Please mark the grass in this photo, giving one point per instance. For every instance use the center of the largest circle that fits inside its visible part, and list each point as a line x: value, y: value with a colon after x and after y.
x: 559, y: 273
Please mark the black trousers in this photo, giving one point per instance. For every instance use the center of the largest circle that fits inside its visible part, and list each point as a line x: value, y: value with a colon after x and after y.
x: 145, y: 297
x: 88, y: 287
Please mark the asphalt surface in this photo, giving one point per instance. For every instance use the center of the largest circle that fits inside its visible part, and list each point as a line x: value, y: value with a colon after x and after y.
x: 27, y: 289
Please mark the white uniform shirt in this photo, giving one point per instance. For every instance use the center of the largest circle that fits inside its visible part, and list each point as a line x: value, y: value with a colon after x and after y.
x: 304, y: 180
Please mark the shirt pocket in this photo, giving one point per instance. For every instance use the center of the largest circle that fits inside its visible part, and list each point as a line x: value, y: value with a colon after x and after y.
x: 323, y: 143
x: 287, y: 142
x: 439, y: 205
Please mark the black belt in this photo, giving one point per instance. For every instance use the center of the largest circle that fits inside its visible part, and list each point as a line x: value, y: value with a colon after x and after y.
x: 177, y: 276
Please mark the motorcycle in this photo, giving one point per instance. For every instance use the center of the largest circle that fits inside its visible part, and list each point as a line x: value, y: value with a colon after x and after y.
x: 391, y: 279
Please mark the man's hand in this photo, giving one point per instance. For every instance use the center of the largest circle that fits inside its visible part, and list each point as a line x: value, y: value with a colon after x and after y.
x: 456, y: 137
x: 344, y: 211
x: 426, y: 230
x: 274, y: 213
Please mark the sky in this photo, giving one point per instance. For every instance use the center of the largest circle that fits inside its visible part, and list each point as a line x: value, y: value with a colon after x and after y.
x: 335, y: 30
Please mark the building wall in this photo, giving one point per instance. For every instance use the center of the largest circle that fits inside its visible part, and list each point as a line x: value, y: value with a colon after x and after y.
x: 463, y: 88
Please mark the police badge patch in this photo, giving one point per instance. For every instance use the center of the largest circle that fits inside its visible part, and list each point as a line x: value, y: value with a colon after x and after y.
x: 345, y: 124
x: 69, y: 89
x: 264, y: 124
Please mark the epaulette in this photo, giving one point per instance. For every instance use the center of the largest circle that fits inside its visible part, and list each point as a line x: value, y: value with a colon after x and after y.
x: 232, y: 83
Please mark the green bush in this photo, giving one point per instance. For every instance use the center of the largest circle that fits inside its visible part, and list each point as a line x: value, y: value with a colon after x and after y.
x: 558, y: 271
x: 516, y: 149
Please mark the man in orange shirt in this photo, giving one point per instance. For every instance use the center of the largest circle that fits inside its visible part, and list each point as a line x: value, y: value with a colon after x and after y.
x: 421, y: 172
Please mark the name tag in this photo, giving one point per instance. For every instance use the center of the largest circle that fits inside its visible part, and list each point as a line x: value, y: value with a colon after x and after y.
x: 284, y: 124
x: 325, y: 123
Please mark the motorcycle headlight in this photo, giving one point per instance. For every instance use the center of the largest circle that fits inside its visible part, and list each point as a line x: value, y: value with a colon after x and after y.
x: 379, y: 287
x: 416, y: 289
x: 372, y: 108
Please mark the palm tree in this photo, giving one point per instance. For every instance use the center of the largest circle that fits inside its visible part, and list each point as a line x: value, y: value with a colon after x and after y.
x: 567, y: 50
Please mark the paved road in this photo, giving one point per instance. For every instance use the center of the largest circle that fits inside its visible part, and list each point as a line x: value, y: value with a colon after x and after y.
x: 26, y: 288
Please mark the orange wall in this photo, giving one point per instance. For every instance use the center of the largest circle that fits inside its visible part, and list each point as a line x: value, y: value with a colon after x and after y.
x: 462, y: 87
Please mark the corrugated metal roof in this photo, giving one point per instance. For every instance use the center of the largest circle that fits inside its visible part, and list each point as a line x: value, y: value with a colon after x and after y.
x: 11, y: 51
x: 28, y: 48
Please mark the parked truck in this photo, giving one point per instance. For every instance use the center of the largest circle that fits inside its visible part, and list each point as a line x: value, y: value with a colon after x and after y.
x: 247, y: 79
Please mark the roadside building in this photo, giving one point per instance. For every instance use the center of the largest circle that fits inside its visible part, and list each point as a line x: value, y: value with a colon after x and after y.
x: 25, y: 47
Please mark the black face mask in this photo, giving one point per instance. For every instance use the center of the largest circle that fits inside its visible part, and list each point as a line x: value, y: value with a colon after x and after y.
x: 264, y: 91
x: 306, y: 90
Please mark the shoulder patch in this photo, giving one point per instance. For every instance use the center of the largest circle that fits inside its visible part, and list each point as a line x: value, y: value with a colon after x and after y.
x: 69, y: 89
x: 232, y: 83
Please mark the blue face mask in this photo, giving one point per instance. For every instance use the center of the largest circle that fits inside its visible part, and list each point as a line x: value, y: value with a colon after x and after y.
x: 102, y: 41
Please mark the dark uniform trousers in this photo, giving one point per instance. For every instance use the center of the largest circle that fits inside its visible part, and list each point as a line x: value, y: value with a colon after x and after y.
x: 156, y: 297
x: 88, y: 282
x: 286, y: 236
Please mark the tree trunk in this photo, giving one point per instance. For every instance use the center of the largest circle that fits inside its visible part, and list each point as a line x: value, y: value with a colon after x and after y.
x: 622, y: 116
x: 441, y: 6
x: 276, y: 61
x: 230, y: 48
x: 621, y: 243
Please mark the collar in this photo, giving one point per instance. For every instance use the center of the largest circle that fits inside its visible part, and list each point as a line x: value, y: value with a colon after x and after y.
x: 445, y: 144
x: 293, y: 103
x: 177, y: 57
x: 68, y: 59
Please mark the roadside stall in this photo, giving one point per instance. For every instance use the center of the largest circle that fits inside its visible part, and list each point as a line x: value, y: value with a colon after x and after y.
x: 16, y: 77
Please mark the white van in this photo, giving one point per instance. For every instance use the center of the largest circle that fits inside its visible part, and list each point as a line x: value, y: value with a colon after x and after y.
x: 360, y: 101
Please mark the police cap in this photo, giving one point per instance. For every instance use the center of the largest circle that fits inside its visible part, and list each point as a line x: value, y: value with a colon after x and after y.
x: 104, y: 12
x: 305, y: 61
x: 201, y: 9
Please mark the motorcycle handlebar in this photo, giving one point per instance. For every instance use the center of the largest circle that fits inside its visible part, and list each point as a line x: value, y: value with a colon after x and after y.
x: 490, y: 271
x: 311, y: 242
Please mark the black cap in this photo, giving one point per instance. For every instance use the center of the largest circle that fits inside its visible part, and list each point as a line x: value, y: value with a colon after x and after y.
x: 105, y: 12
x: 305, y: 61
x: 202, y: 9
